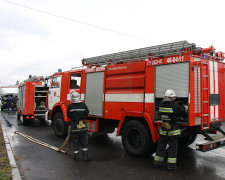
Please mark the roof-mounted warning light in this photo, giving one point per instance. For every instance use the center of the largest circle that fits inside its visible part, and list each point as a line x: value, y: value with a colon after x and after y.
x: 59, y: 70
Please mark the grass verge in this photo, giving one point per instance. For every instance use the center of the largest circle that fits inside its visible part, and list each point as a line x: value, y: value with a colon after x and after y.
x: 5, y: 168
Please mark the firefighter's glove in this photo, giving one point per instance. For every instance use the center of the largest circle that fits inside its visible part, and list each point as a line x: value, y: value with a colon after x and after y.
x: 186, y: 108
x: 166, y: 125
x: 81, y: 125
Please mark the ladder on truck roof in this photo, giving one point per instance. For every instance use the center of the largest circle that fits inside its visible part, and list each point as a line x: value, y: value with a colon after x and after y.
x: 140, y: 54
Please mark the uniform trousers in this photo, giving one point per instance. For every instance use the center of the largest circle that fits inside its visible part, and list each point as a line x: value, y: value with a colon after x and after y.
x: 79, y: 139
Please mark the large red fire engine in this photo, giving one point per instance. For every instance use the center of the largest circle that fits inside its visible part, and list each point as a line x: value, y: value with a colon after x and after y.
x: 123, y: 91
x: 32, y: 99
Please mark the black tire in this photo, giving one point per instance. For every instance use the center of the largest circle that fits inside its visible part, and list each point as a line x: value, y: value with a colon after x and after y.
x: 59, y: 126
x: 18, y: 116
x: 194, y: 136
x: 136, y: 139
x: 188, y: 136
x: 25, y: 121
x: 43, y: 122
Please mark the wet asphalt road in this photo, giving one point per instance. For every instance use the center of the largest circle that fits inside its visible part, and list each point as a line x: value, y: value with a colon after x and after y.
x: 110, y: 161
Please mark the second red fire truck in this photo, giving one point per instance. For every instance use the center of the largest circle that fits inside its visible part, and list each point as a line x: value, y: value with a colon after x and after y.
x: 32, y: 102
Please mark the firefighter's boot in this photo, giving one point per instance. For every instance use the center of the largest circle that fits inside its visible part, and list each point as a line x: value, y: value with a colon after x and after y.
x: 172, y: 164
x: 76, y: 156
x: 85, y: 156
x: 158, y: 161
x: 157, y: 164
x: 171, y: 168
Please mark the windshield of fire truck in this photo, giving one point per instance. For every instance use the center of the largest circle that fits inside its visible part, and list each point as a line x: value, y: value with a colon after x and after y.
x: 75, y: 80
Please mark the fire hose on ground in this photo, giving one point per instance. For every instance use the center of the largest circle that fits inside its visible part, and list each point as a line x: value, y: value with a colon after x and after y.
x: 60, y: 149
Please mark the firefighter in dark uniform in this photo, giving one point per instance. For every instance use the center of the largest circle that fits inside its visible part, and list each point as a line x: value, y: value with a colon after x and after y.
x: 77, y: 112
x: 9, y: 103
x: 169, y: 131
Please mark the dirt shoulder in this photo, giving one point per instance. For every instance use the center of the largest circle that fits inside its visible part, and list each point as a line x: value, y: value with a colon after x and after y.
x: 5, y: 168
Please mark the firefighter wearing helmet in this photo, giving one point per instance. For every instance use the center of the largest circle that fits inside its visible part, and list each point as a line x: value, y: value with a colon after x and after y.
x: 77, y: 112
x: 169, y: 131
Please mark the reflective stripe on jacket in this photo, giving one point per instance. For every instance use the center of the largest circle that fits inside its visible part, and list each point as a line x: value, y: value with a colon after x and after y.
x: 169, y: 133
x: 165, y: 110
x: 169, y: 111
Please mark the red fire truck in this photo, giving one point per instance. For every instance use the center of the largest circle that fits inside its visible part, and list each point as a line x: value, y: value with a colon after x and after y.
x: 32, y: 99
x: 123, y: 91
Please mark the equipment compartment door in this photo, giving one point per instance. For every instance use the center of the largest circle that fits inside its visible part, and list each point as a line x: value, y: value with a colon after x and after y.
x: 172, y: 76
x: 94, y: 93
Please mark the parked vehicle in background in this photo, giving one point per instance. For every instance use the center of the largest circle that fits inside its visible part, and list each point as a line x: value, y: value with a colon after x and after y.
x: 8, y: 91
x: 32, y: 99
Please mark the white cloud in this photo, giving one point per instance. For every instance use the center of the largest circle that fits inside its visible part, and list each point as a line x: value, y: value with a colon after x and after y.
x: 35, y: 43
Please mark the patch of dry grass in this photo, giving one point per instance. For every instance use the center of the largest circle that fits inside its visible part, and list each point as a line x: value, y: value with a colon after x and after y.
x: 5, y: 168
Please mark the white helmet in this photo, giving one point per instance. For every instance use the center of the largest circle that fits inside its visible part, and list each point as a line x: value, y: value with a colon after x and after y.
x: 170, y: 93
x: 75, y: 97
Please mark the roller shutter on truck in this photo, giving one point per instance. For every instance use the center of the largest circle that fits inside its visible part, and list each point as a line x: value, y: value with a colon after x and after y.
x: 94, y: 93
x: 172, y: 76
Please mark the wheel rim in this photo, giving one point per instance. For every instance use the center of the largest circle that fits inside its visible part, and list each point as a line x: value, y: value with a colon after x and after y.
x: 135, y: 138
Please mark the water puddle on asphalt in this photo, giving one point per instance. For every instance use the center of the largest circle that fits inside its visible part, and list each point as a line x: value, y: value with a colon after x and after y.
x: 10, y: 126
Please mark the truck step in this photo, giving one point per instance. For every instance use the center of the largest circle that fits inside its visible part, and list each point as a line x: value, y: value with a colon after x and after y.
x: 39, y: 114
x: 218, y: 141
x: 206, y: 128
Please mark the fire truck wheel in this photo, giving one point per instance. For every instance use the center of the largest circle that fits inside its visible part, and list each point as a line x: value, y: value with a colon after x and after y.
x: 194, y: 136
x: 43, y: 122
x: 136, y: 139
x: 187, y: 137
x: 18, y: 116
x: 59, y: 126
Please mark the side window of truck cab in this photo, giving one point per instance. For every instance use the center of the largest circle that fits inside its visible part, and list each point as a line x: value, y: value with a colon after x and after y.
x: 75, y: 80
x: 56, y: 82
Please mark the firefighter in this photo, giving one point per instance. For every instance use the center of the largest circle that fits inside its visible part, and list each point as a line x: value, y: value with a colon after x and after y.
x: 169, y: 131
x: 14, y: 103
x: 9, y: 102
x: 77, y: 112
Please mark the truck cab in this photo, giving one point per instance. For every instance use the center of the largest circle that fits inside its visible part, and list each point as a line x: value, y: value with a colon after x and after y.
x: 61, y: 86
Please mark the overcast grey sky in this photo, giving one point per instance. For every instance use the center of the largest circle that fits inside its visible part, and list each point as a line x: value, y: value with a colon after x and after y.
x: 38, y: 43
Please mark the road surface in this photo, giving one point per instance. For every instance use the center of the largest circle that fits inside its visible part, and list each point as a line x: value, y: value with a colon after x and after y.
x: 110, y: 161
